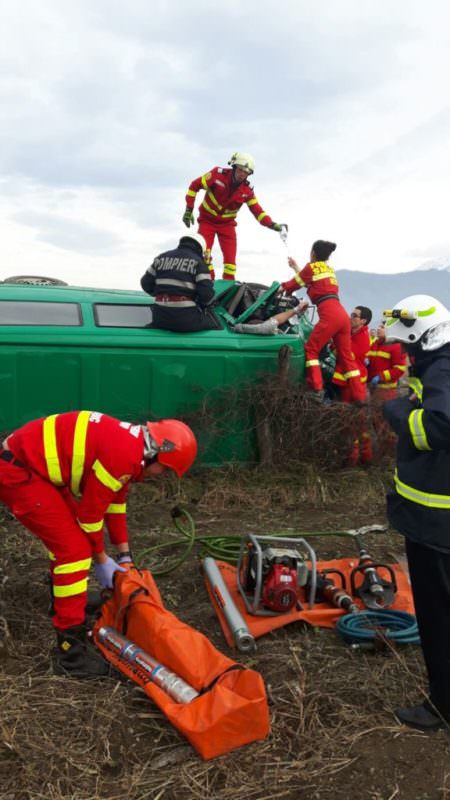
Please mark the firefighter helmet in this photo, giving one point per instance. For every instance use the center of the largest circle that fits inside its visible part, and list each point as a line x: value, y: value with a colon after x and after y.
x: 244, y: 161
x: 172, y: 442
x: 196, y: 237
x: 413, y: 317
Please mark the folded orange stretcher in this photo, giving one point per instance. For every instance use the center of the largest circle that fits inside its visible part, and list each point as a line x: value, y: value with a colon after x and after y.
x: 231, y: 709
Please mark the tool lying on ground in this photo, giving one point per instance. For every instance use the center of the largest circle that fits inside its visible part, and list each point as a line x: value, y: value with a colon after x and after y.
x: 243, y: 639
x: 375, y: 591
x: 146, y: 665
x: 271, y: 571
x: 230, y: 708
x: 328, y: 592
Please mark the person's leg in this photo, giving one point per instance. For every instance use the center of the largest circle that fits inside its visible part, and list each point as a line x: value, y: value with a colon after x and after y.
x: 228, y: 244
x: 39, y: 506
x: 430, y: 582
x: 322, y: 333
x: 350, y: 369
x: 208, y: 232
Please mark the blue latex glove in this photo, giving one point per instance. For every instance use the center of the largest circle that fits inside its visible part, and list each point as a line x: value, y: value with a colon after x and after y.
x: 375, y: 380
x: 124, y: 558
x: 105, y: 572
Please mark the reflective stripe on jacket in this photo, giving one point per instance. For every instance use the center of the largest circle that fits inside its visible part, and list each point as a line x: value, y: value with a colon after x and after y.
x: 223, y: 198
x: 422, y: 479
x: 93, y: 456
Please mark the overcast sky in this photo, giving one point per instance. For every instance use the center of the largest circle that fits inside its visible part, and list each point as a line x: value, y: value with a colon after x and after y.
x: 109, y: 109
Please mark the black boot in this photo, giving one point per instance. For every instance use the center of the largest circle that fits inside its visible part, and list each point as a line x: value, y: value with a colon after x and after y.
x: 76, y: 657
x: 422, y: 717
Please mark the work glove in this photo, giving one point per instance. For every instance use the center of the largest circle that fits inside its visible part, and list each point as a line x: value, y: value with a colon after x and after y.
x: 375, y: 380
x: 282, y: 229
x: 124, y: 558
x: 188, y: 217
x: 105, y: 572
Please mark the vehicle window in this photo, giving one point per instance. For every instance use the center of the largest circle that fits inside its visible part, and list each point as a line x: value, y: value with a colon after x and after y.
x: 31, y: 312
x: 110, y: 315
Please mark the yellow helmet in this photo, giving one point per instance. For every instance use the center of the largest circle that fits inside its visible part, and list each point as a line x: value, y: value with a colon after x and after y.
x: 244, y: 161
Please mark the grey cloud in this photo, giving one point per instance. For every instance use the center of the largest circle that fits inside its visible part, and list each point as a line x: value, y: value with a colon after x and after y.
x: 69, y: 234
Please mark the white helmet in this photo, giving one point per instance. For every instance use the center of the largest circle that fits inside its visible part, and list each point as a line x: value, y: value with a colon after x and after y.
x: 196, y: 237
x: 244, y: 161
x: 413, y: 317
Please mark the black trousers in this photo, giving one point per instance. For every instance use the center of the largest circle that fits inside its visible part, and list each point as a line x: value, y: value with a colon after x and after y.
x: 430, y: 580
x: 184, y: 320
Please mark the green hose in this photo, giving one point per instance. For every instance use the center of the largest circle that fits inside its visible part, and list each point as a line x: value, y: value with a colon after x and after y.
x: 221, y: 548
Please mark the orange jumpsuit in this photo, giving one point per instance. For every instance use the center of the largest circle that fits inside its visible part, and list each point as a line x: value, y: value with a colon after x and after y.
x: 334, y: 323
x: 218, y: 211
x: 64, y: 477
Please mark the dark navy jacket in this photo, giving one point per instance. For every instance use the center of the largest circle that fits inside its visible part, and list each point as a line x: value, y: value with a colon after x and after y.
x: 180, y: 272
x: 420, y: 507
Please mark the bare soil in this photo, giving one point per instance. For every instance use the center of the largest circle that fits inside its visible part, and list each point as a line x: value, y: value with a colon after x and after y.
x: 333, y: 732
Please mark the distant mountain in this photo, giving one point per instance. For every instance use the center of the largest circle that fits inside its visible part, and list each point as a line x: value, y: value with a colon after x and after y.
x: 382, y: 291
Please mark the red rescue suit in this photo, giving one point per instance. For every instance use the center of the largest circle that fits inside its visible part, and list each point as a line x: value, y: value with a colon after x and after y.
x: 388, y: 361
x: 64, y: 477
x: 218, y: 211
x: 320, y: 281
x: 360, y: 345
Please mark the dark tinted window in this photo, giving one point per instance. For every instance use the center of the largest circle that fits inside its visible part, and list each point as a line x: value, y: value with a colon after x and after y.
x: 29, y: 312
x: 122, y: 316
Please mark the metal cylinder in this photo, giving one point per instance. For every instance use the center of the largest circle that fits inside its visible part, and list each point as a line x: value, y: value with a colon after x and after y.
x: 168, y: 681
x: 243, y: 639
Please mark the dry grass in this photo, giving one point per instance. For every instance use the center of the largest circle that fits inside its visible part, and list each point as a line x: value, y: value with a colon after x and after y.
x: 333, y: 733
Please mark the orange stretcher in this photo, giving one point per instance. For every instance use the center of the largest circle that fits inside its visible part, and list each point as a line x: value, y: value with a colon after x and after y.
x: 231, y: 709
x: 322, y: 615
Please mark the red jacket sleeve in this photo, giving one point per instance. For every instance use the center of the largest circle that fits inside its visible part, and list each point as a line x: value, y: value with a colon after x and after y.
x: 302, y: 278
x: 258, y: 212
x: 101, y: 491
x: 397, y: 367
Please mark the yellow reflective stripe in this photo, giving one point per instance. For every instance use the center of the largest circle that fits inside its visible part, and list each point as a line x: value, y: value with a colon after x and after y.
x: 229, y: 214
x: 386, y: 375
x: 426, y: 312
x: 211, y: 197
x: 422, y: 498
x: 299, y: 280
x: 209, y: 209
x: 79, y: 450
x: 417, y: 387
x: 352, y: 374
x: 386, y: 385
x: 191, y: 193
x: 339, y: 376
x: 73, y: 588
x: 261, y: 216
x: 252, y: 202
x: 51, y: 450
x: 401, y: 367
x: 51, y: 556
x: 205, y: 180
x: 313, y: 362
x: 117, y: 508
x: 229, y: 269
x: 379, y: 354
x: 363, y: 379
x: 91, y: 527
x: 321, y: 275
x: 104, y: 477
x: 417, y: 430
x: 75, y: 566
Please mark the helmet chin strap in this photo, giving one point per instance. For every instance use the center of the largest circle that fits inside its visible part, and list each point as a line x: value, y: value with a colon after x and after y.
x: 150, y: 448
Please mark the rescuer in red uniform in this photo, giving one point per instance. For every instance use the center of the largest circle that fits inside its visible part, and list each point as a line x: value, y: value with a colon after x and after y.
x: 226, y: 190
x: 64, y: 477
x: 387, y: 364
x: 321, y: 283
x: 361, y: 447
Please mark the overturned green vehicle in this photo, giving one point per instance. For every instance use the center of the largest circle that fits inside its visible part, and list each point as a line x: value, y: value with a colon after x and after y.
x: 66, y: 348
